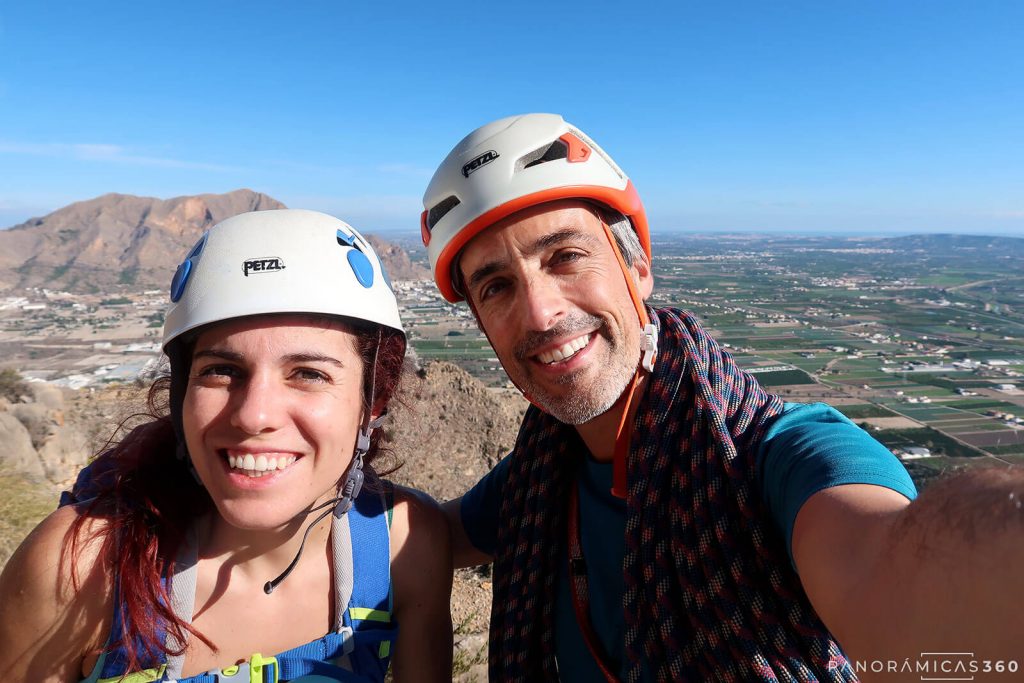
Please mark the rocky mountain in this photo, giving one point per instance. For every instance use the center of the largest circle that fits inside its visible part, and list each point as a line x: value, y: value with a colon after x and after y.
x: 120, y: 240
x: 396, y: 260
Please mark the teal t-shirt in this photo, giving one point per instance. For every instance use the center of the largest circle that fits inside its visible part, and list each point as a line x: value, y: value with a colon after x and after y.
x: 808, y: 448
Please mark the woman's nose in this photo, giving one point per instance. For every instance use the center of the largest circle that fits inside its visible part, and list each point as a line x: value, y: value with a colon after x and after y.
x: 258, y: 407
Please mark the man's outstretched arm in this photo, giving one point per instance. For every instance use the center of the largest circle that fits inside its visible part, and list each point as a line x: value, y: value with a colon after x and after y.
x: 945, y: 573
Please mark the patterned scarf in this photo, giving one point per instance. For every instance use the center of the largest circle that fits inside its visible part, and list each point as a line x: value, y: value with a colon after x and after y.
x: 710, y: 592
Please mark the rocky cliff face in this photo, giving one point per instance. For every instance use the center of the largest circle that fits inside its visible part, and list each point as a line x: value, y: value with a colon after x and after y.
x: 37, y: 440
x: 397, y: 262
x: 449, y: 429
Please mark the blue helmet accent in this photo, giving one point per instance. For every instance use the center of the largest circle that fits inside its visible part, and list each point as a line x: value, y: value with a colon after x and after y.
x: 180, y: 278
x: 346, y: 240
x: 357, y: 260
x: 361, y: 268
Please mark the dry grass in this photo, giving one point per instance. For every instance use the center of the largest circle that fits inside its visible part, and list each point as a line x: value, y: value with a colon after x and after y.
x: 23, y: 504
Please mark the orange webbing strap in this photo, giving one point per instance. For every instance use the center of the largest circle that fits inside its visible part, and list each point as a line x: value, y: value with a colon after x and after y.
x: 625, y: 430
x: 623, y: 436
x: 638, y: 304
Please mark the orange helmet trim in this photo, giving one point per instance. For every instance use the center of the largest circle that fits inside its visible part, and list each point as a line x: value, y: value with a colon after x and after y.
x: 424, y: 230
x: 627, y: 201
x: 578, y: 150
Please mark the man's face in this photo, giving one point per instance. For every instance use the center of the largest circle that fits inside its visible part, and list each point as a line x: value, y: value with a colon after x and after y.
x: 550, y: 294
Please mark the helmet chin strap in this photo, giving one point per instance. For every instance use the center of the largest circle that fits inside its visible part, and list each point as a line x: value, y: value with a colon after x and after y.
x: 648, y: 354
x: 348, y: 491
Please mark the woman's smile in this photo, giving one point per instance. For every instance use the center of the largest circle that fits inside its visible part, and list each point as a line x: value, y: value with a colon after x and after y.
x: 260, y: 464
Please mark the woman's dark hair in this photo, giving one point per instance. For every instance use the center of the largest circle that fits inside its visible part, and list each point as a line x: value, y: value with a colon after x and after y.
x: 143, y: 490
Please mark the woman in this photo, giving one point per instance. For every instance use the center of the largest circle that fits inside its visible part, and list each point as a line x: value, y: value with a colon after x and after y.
x: 235, y: 539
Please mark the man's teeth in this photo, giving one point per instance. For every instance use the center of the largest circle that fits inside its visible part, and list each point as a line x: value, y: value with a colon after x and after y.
x: 565, y: 351
x: 259, y: 465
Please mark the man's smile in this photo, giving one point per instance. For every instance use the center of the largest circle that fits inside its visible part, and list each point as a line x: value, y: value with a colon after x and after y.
x: 565, y: 351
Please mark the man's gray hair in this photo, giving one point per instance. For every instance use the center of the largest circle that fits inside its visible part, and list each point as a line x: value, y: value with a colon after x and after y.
x: 625, y: 236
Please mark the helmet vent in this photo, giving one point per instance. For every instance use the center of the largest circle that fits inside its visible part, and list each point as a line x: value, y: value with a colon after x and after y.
x: 440, y: 209
x: 556, y: 150
x: 590, y: 143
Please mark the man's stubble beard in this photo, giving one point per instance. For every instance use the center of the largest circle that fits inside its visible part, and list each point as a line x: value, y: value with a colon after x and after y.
x: 583, y: 404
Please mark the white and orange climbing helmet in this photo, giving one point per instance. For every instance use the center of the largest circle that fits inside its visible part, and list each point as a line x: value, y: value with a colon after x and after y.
x: 512, y: 164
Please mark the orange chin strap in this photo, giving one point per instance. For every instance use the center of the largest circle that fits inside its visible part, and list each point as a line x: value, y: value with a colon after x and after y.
x: 624, y: 432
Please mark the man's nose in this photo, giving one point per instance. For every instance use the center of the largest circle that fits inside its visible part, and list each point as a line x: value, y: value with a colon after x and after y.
x: 258, y: 405
x: 542, y: 302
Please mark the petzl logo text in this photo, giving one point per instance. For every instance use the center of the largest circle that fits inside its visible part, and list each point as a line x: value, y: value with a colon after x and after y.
x: 266, y: 264
x: 482, y: 160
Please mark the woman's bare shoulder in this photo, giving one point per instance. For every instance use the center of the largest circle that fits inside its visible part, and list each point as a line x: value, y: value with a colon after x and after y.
x: 420, y: 538
x: 421, y: 571
x: 56, y: 602
x: 417, y: 514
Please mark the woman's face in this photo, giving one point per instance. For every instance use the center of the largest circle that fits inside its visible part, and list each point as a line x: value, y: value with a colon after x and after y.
x: 271, y: 414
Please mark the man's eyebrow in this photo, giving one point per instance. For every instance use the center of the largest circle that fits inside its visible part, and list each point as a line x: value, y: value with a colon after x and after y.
x: 540, y: 244
x: 302, y: 357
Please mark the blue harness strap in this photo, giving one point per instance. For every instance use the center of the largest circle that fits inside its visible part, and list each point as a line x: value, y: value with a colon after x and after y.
x: 317, y: 660
x: 369, y: 610
x: 358, y: 652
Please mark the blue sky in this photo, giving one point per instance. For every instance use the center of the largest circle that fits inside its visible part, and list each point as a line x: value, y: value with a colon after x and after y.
x: 829, y: 116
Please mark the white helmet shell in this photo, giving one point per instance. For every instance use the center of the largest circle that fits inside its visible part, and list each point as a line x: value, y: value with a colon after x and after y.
x: 509, y: 165
x: 285, y: 261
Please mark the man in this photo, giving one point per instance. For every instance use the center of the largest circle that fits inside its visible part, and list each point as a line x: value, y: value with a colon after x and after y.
x: 661, y: 516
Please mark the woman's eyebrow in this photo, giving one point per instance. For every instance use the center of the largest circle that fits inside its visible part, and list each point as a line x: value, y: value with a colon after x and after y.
x: 301, y: 357
x: 217, y: 353
x: 310, y: 357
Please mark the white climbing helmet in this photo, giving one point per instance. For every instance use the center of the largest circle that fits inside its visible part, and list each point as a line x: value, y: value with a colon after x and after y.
x: 509, y: 165
x: 286, y: 261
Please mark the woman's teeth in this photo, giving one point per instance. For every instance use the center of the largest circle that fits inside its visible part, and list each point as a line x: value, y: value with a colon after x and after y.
x: 259, y: 465
x: 567, y: 350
